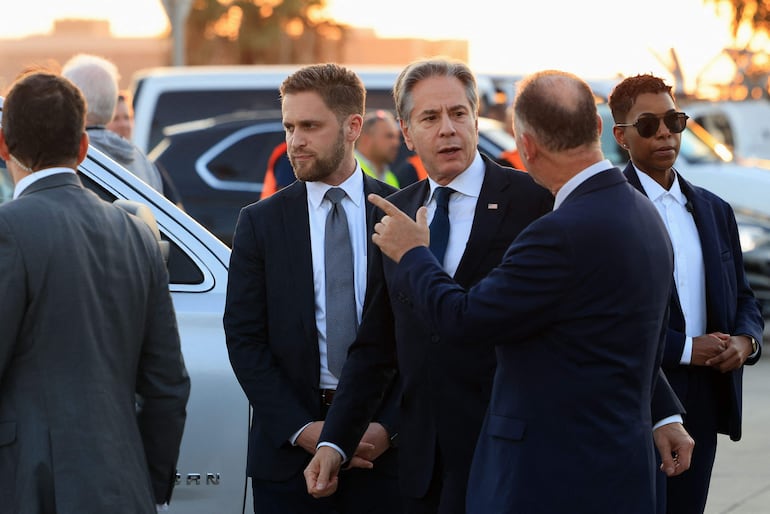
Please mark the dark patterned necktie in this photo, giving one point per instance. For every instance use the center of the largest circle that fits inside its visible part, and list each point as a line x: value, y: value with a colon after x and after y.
x: 439, y: 226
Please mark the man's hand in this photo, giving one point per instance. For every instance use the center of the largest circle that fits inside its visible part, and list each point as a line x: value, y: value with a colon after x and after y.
x: 707, y: 347
x: 308, y: 438
x: 737, y: 350
x: 397, y: 233
x: 675, y: 448
x: 321, y: 474
x: 373, y: 443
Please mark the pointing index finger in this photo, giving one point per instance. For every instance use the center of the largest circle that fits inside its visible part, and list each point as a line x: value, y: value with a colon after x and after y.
x: 387, y: 207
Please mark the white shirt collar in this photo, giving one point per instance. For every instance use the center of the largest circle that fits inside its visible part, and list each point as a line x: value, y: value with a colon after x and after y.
x: 353, y: 186
x: 468, y: 182
x: 655, y: 191
x: 578, y: 179
x: 30, y: 179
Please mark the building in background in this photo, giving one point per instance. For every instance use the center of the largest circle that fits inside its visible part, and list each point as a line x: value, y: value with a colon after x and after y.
x: 72, y: 36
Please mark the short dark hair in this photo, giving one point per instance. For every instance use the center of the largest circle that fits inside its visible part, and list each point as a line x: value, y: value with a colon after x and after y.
x: 43, y: 120
x: 340, y: 88
x: 435, y: 67
x: 561, y: 122
x: 625, y: 93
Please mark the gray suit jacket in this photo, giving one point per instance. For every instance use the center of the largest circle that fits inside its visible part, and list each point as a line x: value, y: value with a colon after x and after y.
x: 86, y: 324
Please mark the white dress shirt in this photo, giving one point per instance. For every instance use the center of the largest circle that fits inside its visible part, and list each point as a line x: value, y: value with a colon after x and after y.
x: 573, y: 183
x: 689, y: 273
x: 318, y: 208
x: 462, y: 209
x: 30, y: 179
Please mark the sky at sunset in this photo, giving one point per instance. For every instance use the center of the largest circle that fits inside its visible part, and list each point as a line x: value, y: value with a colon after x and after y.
x: 592, y: 38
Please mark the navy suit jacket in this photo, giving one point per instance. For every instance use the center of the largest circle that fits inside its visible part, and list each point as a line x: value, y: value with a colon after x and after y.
x: 577, y: 311
x: 730, y: 304
x: 271, y: 332
x: 445, y: 389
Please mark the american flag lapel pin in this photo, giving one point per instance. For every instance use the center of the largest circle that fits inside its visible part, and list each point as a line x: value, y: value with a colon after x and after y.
x: 492, y: 206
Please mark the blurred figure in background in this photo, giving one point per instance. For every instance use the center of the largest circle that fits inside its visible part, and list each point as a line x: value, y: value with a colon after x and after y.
x: 378, y: 146
x: 97, y: 79
x: 122, y: 122
x: 279, y: 173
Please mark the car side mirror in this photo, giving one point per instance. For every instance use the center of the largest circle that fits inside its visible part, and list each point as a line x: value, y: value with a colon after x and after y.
x: 144, y: 213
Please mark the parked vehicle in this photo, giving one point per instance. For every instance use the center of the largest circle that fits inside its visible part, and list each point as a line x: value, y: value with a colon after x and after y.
x: 212, y: 462
x: 743, y: 127
x: 166, y: 96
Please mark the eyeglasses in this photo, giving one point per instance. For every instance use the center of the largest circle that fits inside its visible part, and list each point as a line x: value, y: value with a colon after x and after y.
x: 647, y: 125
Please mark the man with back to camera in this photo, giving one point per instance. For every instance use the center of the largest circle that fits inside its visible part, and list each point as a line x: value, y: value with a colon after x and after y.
x: 715, y: 323
x: 445, y: 390
x: 299, y: 282
x: 88, y: 323
x: 576, y: 312
x: 378, y: 145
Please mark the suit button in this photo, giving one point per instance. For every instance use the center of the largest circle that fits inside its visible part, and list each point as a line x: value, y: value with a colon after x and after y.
x: 434, y: 338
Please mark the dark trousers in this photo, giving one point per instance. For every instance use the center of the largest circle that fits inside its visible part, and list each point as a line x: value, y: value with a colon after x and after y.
x: 446, y: 492
x: 687, y: 493
x: 360, y: 491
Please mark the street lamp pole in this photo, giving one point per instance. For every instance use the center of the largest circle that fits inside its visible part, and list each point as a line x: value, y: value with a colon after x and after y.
x: 177, y: 11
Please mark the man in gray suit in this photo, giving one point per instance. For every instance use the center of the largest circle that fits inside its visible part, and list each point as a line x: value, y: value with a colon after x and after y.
x: 87, y: 324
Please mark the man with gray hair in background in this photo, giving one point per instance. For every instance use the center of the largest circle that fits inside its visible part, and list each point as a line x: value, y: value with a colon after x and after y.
x: 97, y: 79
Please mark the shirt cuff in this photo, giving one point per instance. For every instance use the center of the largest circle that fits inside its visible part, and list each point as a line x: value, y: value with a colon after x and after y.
x: 687, y: 352
x: 676, y: 418
x: 293, y: 438
x: 332, y: 445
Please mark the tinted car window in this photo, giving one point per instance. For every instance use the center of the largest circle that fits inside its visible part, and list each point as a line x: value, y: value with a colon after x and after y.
x: 246, y: 159
x: 178, y: 107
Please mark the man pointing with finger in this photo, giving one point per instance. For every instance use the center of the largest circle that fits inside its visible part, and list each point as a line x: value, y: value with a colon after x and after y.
x: 476, y: 209
x: 577, y: 314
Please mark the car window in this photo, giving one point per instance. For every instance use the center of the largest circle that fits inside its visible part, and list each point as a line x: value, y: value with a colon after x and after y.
x: 180, y: 106
x: 245, y: 159
x: 719, y: 126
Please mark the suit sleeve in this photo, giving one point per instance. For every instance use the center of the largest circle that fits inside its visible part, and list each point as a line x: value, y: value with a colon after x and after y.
x: 369, y: 388
x: 162, y: 381
x: 519, y: 295
x: 12, y: 283
x: 748, y: 314
x: 266, y: 385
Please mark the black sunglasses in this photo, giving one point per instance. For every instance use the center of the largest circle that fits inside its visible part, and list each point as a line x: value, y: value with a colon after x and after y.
x: 647, y: 125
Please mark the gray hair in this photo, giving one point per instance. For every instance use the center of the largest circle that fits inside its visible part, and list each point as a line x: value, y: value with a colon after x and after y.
x: 97, y: 78
x: 434, y: 67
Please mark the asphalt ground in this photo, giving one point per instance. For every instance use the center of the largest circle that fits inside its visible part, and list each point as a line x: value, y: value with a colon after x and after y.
x: 740, y: 483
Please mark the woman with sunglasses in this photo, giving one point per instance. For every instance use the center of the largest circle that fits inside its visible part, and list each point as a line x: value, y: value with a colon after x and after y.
x: 715, y: 325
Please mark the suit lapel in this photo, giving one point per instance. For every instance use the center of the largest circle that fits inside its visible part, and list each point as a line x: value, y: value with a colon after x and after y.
x: 294, y: 215
x: 490, y: 211
x: 711, y: 249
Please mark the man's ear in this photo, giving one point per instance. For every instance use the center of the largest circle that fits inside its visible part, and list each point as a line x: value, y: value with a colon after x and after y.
x: 4, y: 152
x: 353, y: 129
x: 83, y: 150
x: 405, y: 132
